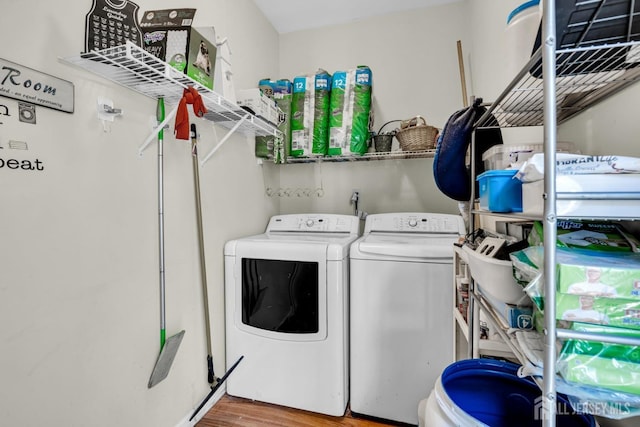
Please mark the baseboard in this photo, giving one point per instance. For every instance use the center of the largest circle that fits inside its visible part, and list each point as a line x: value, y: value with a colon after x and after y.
x: 214, y: 399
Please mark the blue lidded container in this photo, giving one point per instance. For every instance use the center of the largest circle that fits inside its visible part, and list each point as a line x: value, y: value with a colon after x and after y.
x: 500, y: 191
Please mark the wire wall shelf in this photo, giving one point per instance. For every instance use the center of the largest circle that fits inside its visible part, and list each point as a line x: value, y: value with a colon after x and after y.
x: 384, y: 155
x: 584, y: 77
x: 134, y: 68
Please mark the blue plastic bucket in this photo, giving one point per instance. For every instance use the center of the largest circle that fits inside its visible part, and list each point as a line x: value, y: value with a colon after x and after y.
x: 485, y: 392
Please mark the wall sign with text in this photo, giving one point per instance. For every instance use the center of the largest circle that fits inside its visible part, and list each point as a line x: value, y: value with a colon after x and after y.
x: 29, y: 85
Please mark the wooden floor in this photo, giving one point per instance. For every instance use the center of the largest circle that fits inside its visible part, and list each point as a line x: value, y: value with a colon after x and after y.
x: 232, y: 411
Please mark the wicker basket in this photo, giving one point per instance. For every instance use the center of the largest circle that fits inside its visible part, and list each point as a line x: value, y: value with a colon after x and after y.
x: 383, y: 141
x: 416, y: 135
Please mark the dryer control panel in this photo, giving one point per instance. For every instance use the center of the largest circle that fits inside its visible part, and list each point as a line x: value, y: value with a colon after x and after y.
x: 314, y: 223
x: 415, y: 223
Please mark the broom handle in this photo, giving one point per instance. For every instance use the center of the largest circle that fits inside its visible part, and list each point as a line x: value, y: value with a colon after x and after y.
x: 160, y: 117
x: 463, y: 80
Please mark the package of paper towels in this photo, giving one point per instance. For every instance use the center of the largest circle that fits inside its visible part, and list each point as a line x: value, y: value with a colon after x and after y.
x: 310, y: 115
x: 350, y: 108
x: 267, y: 146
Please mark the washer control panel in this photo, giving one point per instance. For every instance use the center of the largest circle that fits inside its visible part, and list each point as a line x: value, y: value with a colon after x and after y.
x: 415, y: 223
x: 314, y: 223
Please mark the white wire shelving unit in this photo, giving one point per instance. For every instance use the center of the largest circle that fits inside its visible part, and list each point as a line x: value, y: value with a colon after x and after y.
x: 571, y: 72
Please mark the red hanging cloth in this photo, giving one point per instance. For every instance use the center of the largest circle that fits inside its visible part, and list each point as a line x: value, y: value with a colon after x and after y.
x: 189, y: 96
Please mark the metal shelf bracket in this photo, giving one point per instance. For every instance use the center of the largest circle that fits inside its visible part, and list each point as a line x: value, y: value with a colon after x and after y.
x: 155, y: 131
x: 224, y: 139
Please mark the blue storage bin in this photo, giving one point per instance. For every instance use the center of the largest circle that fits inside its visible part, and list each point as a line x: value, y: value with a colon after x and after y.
x: 500, y: 191
x: 491, y: 392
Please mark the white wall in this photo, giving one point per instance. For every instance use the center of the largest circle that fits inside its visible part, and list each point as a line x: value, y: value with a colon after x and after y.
x: 79, y: 241
x: 413, y: 58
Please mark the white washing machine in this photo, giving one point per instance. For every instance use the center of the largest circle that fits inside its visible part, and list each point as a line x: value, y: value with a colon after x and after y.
x: 401, y: 311
x: 287, y: 312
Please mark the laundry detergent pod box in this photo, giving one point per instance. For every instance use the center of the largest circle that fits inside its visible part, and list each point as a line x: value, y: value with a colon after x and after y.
x: 350, y: 108
x: 168, y: 35
x: 310, y: 114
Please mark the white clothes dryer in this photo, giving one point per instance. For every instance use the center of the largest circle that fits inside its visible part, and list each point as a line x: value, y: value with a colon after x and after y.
x: 287, y: 312
x: 401, y: 311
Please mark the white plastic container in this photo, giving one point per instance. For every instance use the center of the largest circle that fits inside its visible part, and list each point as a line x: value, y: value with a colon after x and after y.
x: 504, y: 156
x: 438, y: 410
x: 495, y: 277
x: 520, y: 35
x: 260, y: 104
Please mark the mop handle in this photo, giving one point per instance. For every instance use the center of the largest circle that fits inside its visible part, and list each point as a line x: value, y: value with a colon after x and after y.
x: 160, y: 118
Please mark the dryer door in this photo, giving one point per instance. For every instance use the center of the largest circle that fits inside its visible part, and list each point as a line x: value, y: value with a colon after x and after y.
x: 281, y: 291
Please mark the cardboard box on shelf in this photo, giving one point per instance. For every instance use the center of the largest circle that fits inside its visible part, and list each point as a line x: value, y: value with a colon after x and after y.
x: 168, y: 35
